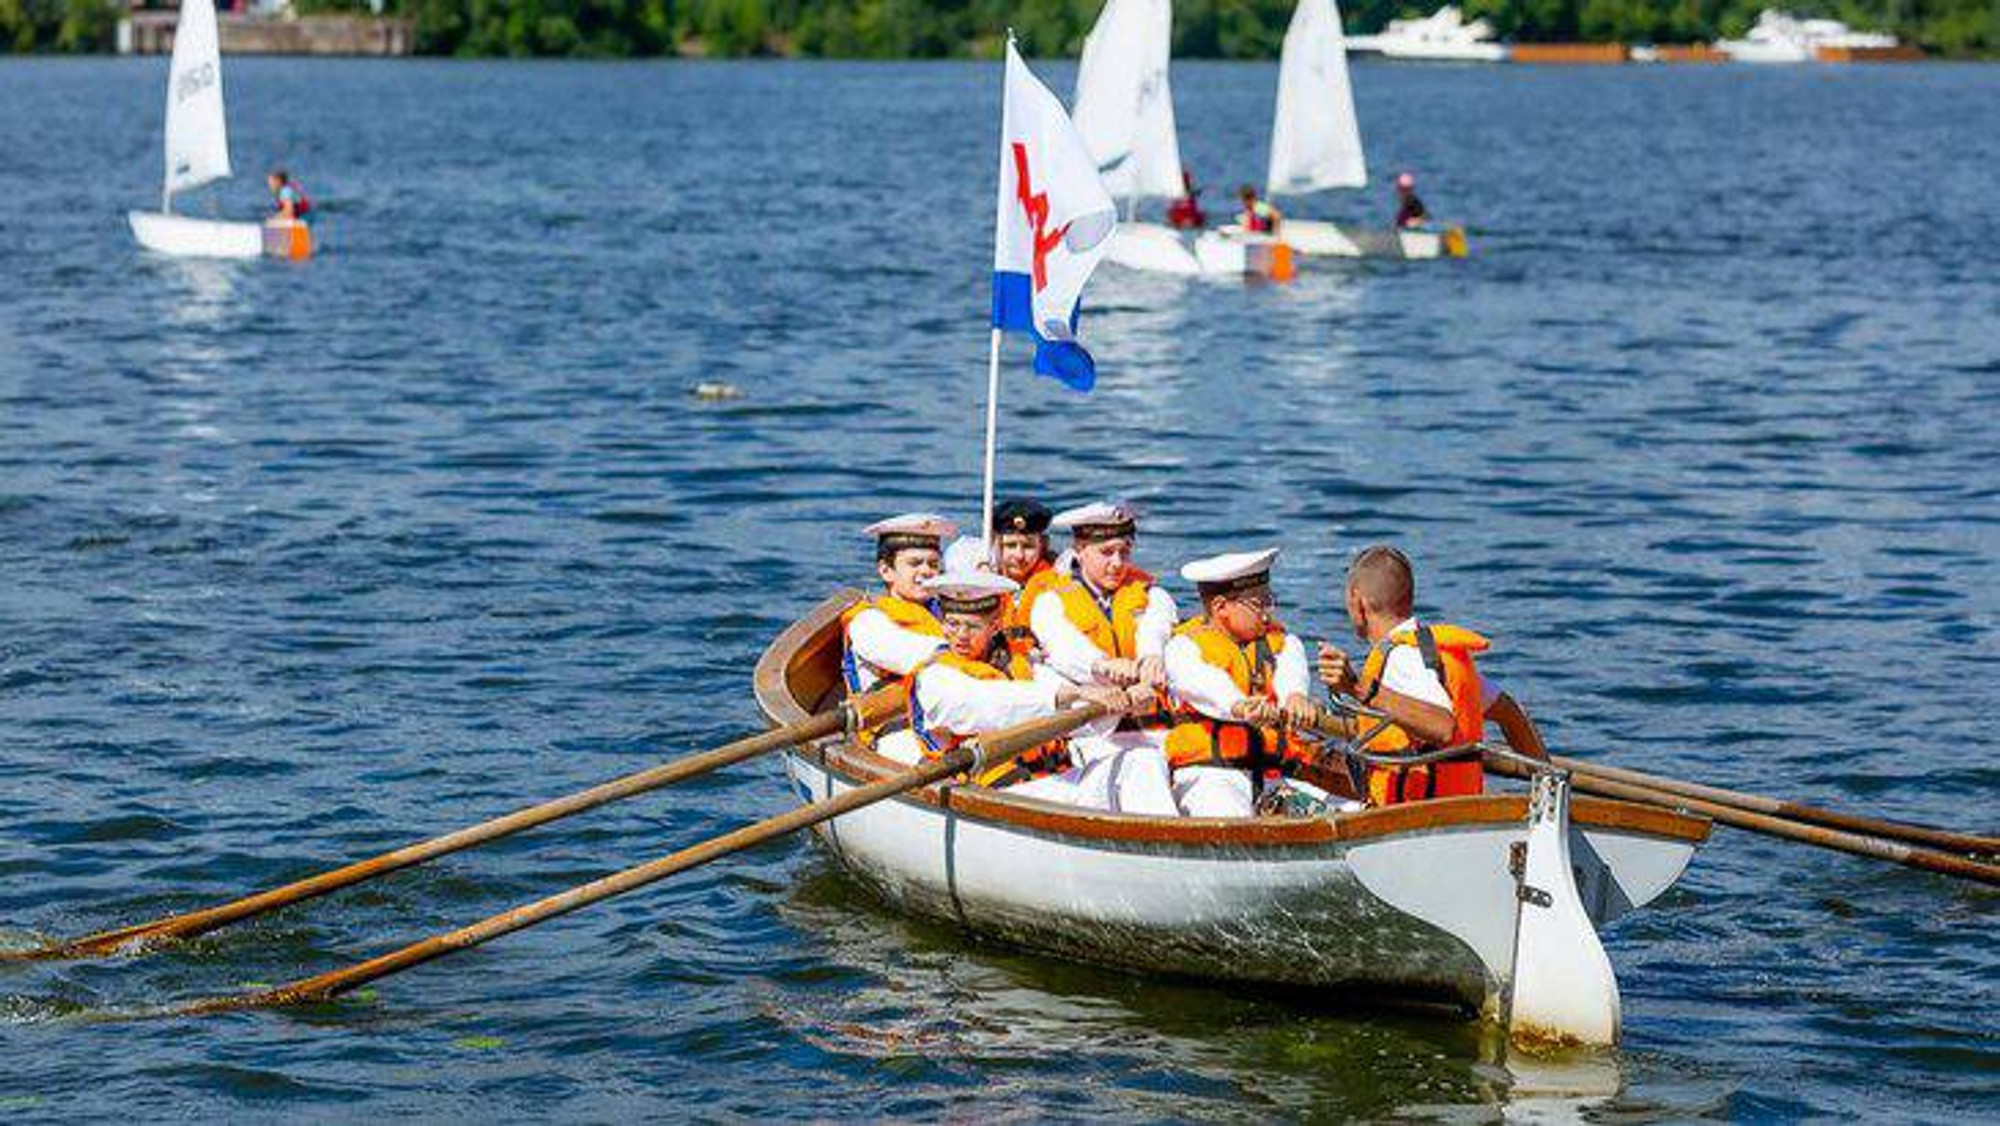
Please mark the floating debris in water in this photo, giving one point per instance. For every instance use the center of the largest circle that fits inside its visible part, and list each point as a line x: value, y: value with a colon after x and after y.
x: 478, y: 1043
x: 717, y: 391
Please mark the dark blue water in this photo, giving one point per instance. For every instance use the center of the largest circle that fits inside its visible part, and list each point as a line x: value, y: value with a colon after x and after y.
x: 300, y: 562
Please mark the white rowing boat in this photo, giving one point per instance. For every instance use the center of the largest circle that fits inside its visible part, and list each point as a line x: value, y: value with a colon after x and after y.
x: 197, y: 153
x: 1486, y: 902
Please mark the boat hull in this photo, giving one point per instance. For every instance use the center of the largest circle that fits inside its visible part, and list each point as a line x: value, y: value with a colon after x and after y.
x: 1416, y: 902
x: 1234, y: 251
x: 1292, y: 917
x: 181, y: 236
x: 1152, y: 248
x: 1333, y: 240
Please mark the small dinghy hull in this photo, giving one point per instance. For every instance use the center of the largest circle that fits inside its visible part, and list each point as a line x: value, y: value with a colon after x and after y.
x: 1152, y: 248
x: 1235, y: 251
x: 182, y: 237
x: 1418, y: 903
x: 1332, y: 240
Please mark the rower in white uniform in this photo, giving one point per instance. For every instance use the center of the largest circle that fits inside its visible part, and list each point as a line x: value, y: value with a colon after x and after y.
x: 1106, y: 622
x: 977, y: 684
x: 888, y: 635
x: 1239, y: 681
x: 1101, y: 620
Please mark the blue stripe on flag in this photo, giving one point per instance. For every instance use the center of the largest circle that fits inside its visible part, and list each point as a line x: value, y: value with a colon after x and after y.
x: 1062, y: 360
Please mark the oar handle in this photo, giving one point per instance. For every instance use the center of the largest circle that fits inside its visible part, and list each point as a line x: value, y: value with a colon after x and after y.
x: 991, y: 749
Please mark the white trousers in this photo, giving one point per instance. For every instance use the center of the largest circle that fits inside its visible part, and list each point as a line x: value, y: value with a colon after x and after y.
x: 1123, y: 772
x: 900, y: 746
x: 1214, y: 791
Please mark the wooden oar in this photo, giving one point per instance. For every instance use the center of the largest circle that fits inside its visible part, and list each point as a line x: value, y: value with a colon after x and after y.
x: 1893, y: 851
x: 1842, y: 832
x: 861, y: 712
x: 1940, y: 839
x: 981, y: 754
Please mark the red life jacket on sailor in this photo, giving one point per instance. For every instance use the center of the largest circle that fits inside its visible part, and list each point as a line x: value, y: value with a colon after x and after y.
x: 1447, y: 652
x: 1200, y: 740
x: 1046, y: 759
x: 1260, y: 217
x: 290, y: 190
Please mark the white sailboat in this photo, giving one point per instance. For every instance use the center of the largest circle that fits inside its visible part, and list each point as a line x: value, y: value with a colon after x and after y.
x: 1125, y: 113
x: 1316, y: 146
x: 197, y: 153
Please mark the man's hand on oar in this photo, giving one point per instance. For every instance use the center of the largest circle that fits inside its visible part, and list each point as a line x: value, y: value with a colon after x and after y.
x: 974, y: 757
x: 862, y: 712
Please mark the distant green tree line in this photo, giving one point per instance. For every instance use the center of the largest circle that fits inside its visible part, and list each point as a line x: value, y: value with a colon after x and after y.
x: 894, y: 29
x: 57, y: 25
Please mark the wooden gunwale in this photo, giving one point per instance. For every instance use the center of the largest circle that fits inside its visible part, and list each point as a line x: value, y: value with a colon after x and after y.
x: 794, y: 676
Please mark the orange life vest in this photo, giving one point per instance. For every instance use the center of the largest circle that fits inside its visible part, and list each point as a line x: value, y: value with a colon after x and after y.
x: 1045, y: 759
x: 917, y: 617
x: 1447, y: 652
x: 1199, y: 740
x: 1020, y: 608
x: 1115, y: 634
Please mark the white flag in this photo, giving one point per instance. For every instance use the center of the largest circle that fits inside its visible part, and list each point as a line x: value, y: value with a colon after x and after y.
x: 1054, y: 223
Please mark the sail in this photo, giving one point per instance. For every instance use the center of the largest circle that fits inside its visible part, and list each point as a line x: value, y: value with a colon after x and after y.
x: 197, y: 139
x: 1315, y: 137
x: 1124, y: 106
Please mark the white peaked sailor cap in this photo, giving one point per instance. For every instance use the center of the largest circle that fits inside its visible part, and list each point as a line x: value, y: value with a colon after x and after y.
x: 1098, y: 521
x: 1231, y: 572
x: 968, y: 553
x: 970, y: 592
x: 912, y: 529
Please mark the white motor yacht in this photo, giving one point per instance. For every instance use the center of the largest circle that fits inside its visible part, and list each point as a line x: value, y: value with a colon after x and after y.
x: 1442, y: 36
x: 1780, y: 37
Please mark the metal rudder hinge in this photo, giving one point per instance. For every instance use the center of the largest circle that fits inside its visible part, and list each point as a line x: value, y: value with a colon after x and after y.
x: 1563, y: 990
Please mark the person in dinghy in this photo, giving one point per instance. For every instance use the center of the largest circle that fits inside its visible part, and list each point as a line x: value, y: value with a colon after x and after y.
x: 1239, y: 683
x: 978, y: 683
x: 888, y: 635
x: 1411, y: 214
x: 1101, y: 620
x: 1185, y: 213
x: 288, y: 200
x: 1421, y: 675
x: 1258, y: 216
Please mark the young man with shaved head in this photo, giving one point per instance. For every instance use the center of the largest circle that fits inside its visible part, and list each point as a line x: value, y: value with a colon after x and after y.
x: 1419, y: 674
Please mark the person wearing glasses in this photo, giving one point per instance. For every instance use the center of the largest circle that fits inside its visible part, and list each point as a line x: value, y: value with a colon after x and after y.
x: 1239, y: 682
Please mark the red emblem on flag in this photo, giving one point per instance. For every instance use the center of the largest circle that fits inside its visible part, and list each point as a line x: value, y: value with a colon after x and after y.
x: 1036, y: 206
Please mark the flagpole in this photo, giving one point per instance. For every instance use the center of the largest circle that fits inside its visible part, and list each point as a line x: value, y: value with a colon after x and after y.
x: 992, y: 435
